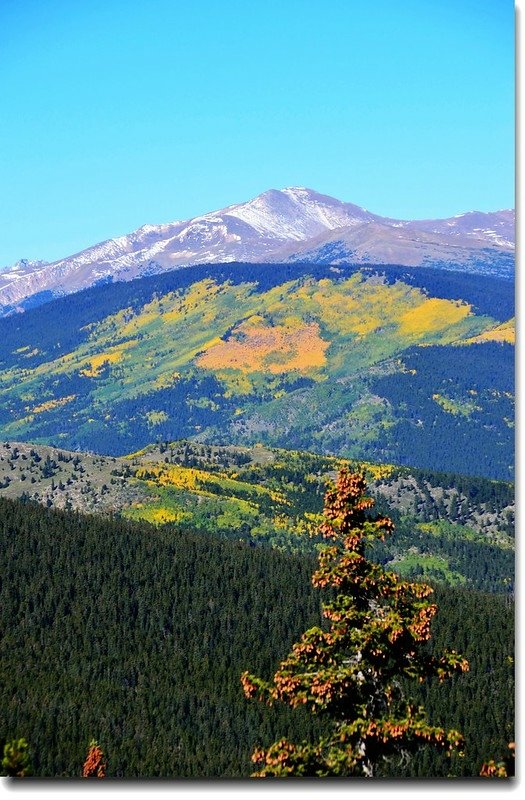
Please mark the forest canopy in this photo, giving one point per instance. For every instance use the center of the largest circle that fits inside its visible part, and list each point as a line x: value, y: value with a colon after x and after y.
x: 136, y: 636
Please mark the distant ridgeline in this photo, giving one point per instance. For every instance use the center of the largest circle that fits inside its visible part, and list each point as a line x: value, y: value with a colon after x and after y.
x: 453, y: 529
x: 411, y: 366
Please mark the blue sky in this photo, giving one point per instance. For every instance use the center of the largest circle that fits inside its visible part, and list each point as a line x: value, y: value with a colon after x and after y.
x: 120, y: 113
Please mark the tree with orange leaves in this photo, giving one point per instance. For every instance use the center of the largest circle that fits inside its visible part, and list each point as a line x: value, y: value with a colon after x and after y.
x: 351, y: 670
x: 95, y: 765
x: 500, y: 769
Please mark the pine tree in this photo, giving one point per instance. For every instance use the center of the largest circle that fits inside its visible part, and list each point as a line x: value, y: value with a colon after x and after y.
x: 16, y: 760
x: 352, y: 670
x: 95, y: 765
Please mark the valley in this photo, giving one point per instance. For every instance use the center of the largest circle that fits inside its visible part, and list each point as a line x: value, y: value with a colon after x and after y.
x: 258, y: 342
x: 165, y: 447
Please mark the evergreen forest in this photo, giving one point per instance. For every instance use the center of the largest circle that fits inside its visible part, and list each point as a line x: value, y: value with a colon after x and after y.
x: 136, y: 636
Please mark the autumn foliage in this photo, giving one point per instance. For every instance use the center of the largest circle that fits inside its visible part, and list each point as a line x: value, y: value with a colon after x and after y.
x: 352, y: 669
x: 95, y: 765
x: 500, y: 769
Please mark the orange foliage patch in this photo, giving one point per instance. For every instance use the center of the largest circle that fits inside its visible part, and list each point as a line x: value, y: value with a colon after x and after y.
x: 95, y: 765
x: 256, y: 347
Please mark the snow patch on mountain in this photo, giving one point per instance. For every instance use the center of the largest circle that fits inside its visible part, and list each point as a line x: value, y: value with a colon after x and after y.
x: 294, y: 223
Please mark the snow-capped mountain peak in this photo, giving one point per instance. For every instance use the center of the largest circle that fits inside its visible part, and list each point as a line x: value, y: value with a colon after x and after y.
x: 293, y: 223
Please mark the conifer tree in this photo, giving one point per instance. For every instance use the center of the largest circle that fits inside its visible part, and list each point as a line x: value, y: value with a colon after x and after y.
x: 95, y: 765
x: 16, y: 760
x: 352, y: 670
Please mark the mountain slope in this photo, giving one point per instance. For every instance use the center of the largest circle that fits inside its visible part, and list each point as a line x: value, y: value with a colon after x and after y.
x: 360, y: 363
x: 449, y: 528
x: 379, y: 243
x: 295, y: 223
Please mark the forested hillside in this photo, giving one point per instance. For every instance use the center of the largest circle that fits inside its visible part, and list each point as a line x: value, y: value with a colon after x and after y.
x: 451, y: 528
x: 369, y: 363
x: 134, y: 627
x: 137, y: 636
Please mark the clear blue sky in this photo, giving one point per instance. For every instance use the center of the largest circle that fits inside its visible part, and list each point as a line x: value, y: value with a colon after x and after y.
x: 115, y: 113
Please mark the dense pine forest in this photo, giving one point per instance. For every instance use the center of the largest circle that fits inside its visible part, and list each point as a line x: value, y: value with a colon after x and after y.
x: 136, y: 636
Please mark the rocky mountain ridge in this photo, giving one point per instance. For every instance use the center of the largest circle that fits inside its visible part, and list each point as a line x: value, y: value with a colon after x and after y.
x: 291, y: 224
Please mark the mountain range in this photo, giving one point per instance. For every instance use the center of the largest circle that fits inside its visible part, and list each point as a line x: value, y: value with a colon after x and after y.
x: 294, y: 224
